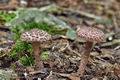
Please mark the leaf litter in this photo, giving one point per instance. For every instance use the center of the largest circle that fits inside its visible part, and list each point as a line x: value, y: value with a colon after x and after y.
x: 65, y: 51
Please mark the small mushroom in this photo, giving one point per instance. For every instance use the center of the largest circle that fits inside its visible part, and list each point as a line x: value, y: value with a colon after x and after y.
x: 36, y: 37
x: 91, y: 35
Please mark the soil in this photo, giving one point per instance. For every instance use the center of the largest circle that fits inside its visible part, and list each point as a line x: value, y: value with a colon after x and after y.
x: 65, y: 54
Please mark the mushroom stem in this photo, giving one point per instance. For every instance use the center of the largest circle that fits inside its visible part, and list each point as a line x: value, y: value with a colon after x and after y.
x: 38, y: 61
x: 84, y: 58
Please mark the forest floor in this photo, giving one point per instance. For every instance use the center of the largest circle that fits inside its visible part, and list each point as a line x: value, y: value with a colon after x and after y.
x: 65, y: 54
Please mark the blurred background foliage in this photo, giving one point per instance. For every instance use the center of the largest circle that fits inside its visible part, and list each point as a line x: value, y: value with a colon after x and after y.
x: 27, y: 19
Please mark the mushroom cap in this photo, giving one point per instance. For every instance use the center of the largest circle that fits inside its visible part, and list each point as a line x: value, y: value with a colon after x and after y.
x: 91, y: 34
x: 35, y: 35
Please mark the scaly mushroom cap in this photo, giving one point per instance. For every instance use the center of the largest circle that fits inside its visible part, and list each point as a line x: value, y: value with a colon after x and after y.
x: 35, y: 35
x: 91, y: 34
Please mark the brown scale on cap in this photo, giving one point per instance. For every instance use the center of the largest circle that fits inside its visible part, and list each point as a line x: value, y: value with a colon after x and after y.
x: 35, y: 35
x: 91, y: 34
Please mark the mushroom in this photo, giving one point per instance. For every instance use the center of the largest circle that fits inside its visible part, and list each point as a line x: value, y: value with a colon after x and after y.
x: 91, y: 35
x: 36, y: 37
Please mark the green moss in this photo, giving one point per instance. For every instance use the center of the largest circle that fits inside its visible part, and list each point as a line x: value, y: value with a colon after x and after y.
x: 5, y: 16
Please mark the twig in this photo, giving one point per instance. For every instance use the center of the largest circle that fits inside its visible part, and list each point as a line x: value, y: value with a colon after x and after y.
x: 82, y: 13
x: 61, y: 74
x: 111, y: 43
x: 116, y: 48
x: 95, y: 2
x: 4, y: 28
x: 8, y: 7
x: 6, y: 52
x: 35, y: 72
x: 72, y: 76
x: 115, y: 23
x: 58, y: 58
x: 49, y: 77
x: 69, y: 48
x: 109, y: 34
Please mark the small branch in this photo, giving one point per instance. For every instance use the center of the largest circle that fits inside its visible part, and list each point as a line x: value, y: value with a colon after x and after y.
x: 82, y: 13
x: 117, y: 41
x: 4, y: 28
x: 72, y: 76
x: 115, y: 23
x: 49, y: 77
x: 7, y: 7
x: 73, y: 51
x: 35, y: 72
x: 5, y: 51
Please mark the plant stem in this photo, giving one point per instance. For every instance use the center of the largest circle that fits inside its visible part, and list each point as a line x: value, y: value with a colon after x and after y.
x: 84, y: 58
x: 38, y: 62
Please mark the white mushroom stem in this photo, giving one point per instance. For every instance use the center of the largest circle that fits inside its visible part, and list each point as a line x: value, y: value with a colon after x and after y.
x: 84, y: 58
x: 38, y: 61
